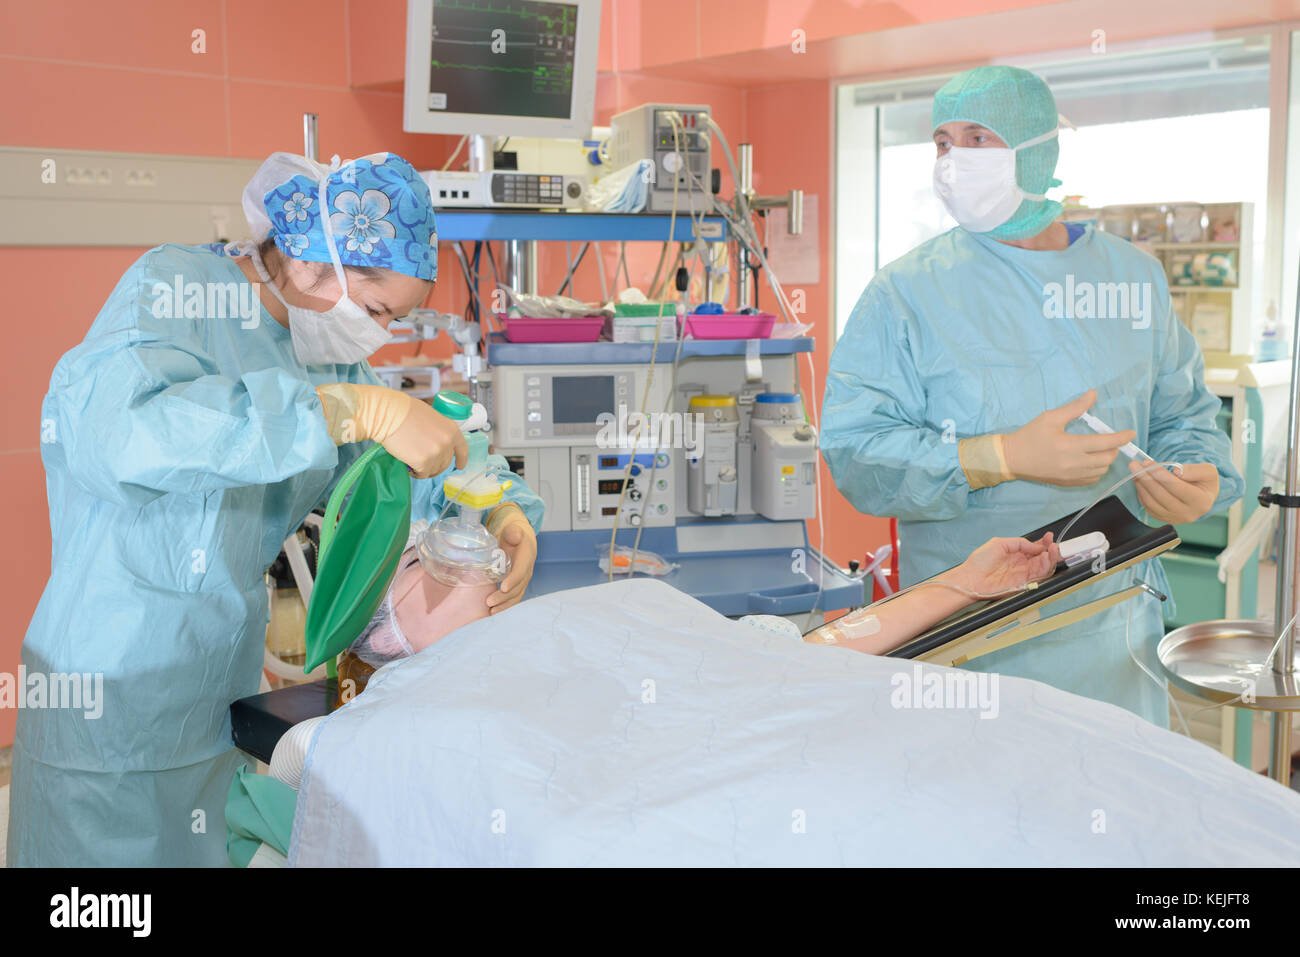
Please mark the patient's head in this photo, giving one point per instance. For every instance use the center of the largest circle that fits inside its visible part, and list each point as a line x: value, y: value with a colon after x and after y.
x: 417, y: 611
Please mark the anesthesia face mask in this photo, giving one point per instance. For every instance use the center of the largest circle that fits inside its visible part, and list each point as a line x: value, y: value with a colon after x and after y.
x: 444, y: 579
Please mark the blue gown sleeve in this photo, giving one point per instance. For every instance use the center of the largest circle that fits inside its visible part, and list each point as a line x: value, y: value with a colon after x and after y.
x: 883, y: 454
x: 1182, y: 424
x: 428, y: 500
x: 140, y: 409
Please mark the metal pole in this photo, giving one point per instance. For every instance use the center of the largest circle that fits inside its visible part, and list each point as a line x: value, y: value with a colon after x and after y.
x: 744, y: 188
x: 794, y: 211
x: 310, y: 144
x: 521, y: 265
x: 1288, y: 574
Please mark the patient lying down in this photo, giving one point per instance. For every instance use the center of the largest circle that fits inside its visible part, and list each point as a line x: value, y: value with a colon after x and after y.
x: 416, y: 611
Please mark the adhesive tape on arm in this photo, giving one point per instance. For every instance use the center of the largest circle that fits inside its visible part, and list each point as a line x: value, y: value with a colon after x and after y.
x: 863, y: 626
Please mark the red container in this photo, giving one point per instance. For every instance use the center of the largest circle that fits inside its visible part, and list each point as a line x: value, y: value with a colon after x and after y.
x: 535, y: 329
x: 730, y: 325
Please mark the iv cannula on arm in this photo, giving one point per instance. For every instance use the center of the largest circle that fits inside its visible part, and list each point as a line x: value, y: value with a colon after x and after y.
x: 1003, y: 565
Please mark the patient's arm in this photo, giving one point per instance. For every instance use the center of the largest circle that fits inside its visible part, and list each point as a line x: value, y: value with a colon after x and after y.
x: 999, y: 566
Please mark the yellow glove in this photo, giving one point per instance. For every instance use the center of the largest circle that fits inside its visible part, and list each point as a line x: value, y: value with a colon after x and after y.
x: 408, y: 428
x: 517, y: 539
x: 984, y: 461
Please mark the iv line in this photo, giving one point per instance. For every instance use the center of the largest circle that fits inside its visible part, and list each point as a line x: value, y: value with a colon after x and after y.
x: 1124, y: 481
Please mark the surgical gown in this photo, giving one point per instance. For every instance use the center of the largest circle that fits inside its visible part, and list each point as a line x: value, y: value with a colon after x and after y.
x: 966, y: 336
x: 179, y: 455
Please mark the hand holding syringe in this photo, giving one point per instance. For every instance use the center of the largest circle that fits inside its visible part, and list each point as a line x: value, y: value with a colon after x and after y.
x: 1043, y: 451
x: 1178, y: 494
x: 1128, y: 448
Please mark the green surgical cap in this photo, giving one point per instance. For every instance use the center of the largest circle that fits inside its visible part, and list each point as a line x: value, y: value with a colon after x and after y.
x: 1017, y: 106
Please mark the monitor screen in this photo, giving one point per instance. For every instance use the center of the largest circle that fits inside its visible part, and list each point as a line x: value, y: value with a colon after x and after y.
x: 489, y: 57
x: 501, y: 67
x: 581, y: 399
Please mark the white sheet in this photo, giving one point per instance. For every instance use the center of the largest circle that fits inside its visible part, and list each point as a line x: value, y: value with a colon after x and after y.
x: 630, y: 724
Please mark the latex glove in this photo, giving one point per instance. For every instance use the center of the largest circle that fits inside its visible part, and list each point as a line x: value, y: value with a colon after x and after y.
x: 1001, y: 565
x: 515, y: 535
x: 1175, y: 500
x: 409, y: 429
x: 1042, y: 451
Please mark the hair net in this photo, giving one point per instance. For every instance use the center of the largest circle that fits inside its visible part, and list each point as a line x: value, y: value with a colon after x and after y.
x: 1017, y: 106
x: 381, y: 213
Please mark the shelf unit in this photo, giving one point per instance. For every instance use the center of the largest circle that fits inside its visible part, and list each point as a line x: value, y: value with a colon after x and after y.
x: 1218, y: 314
x: 508, y: 225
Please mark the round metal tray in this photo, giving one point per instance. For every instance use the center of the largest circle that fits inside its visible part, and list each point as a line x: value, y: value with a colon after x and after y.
x: 1219, y: 660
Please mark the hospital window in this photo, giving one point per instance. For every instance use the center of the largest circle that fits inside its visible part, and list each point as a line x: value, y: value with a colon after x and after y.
x: 1182, y: 124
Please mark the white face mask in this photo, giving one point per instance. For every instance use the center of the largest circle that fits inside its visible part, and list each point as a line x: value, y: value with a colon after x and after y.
x: 977, y: 185
x: 345, y: 333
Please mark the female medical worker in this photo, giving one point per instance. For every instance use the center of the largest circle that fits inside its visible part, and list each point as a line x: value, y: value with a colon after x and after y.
x: 184, y: 439
x: 950, y: 392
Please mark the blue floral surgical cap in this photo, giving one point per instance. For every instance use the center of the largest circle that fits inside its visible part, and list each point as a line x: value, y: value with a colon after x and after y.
x: 379, y: 211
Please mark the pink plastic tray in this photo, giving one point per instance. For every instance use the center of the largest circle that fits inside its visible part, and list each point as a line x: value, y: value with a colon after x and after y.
x: 532, y: 329
x: 730, y: 325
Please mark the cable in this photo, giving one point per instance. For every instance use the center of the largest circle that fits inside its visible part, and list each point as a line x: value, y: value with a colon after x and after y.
x: 618, y: 263
x: 622, y: 264
x: 675, y: 119
x: 657, y: 293
x: 600, y: 268
x: 1124, y: 481
x: 1268, y: 662
x: 454, y: 153
x: 492, y: 260
x: 568, y: 276
x: 473, y: 288
x: 939, y: 582
x: 663, y: 252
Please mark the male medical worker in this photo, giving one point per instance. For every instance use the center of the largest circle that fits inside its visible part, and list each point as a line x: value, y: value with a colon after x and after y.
x: 217, y: 398
x: 952, y: 397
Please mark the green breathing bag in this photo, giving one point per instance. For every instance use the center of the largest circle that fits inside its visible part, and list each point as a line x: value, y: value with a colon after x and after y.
x: 359, y: 557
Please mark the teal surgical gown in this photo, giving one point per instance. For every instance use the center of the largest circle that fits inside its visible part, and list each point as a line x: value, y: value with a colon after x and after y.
x: 179, y: 454
x: 966, y: 336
